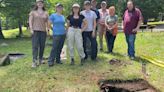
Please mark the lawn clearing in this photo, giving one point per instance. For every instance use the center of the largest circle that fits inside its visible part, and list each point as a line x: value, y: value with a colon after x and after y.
x: 20, y: 77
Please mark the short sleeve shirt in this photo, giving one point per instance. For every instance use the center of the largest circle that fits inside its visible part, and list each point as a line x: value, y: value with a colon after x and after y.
x: 111, y: 20
x: 131, y: 19
x: 58, y: 22
x: 77, y: 23
x: 103, y: 15
x: 39, y: 21
x: 90, y: 16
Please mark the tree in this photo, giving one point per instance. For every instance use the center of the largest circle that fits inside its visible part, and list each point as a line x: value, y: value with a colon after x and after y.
x: 17, y: 10
x: 1, y: 34
x: 150, y: 8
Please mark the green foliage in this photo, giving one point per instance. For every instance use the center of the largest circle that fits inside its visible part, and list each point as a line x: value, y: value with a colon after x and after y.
x: 16, y: 10
x: 150, y: 8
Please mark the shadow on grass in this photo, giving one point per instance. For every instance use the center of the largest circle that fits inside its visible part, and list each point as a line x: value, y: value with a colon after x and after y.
x: 141, y: 60
x: 117, y: 54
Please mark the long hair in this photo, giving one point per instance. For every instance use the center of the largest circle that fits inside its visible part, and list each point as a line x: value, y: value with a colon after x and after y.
x: 36, y: 7
x: 78, y: 12
x: 134, y: 6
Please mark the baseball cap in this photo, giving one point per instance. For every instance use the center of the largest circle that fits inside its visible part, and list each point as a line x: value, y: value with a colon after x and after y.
x: 76, y: 5
x: 87, y: 2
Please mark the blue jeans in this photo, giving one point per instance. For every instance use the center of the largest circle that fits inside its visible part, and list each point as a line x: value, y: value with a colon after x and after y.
x: 130, y: 39
x: 58, y: 43
x: 93, y: 41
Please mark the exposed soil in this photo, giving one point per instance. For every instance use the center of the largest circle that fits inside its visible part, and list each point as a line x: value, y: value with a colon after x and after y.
x: 118, y: 62
x: 135, y: 85
x: 15, y: 56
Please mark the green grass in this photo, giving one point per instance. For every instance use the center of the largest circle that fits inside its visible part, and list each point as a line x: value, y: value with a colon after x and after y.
x: 156, y: 23
x: 20, y: 77
x: 14, y: 32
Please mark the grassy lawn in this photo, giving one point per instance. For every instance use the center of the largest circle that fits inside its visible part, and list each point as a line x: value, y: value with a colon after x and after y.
x: 20, y: 77
x: 156, y: 23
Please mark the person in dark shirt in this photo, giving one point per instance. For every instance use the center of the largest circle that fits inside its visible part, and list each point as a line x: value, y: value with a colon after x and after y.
x: 76, y: 24
x: 132, y: 20
x: 93, y: 8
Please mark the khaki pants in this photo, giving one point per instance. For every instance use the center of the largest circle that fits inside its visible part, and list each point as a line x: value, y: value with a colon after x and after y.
x: 74, y: 37
x: 102, y: 32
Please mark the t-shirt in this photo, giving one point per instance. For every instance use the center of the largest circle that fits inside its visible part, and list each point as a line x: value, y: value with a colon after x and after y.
x: 111, y: 20
x: 58, y: 22
x: 130, y: 20
x: 77, y: 23
x: 90, y: 16
x: 39, y: 20
x: 103, y: 15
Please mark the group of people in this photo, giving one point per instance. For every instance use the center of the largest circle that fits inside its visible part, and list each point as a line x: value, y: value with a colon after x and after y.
x: 82, y: 26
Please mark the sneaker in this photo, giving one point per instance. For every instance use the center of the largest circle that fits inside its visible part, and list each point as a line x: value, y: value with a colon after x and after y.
x: 41, y: 62
x: 82, y: 61
x: 109, y: 52
x: 132, y: 58
x: 50, y: 65
x: 101, y: 49
x: 59, y: 62
x: 34, y: 65
x: 72, y: 61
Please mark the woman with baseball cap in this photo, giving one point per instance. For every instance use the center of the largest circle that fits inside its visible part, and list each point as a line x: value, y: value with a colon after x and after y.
x: 59, y: 34
x: 38, y: 20
x: 101, y: 25
x: 74, y: 34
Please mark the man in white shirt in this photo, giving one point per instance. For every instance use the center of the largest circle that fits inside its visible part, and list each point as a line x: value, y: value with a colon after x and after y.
x: 90, y: 31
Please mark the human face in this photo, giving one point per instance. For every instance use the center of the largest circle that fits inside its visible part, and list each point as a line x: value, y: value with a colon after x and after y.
x: 87, y: 6
x: 59, y: 9
x: 112, y: 11
x: 94, y: 3
x: 103, y: 6
x: 40, y: 4
x: 130, y: 6
x: 76, y: 9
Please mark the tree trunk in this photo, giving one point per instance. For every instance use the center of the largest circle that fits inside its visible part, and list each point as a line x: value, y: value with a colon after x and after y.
x: 7, y: 23
x: 1, y: 34
x: 20, y: 29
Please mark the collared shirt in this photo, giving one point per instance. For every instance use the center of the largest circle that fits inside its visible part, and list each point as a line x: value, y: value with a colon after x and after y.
x: 130, y: 20
x: 103, y: 15
x: 90, y: 16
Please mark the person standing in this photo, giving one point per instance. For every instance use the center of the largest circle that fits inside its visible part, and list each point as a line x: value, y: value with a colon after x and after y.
x: 132, y: 20
x: 93, y: 8
x: 38, y: 20
x: 90, y: 31
x: 74, y: 34
x: 111, y: 23
x: 101, y: 25
x: 59, y: 34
